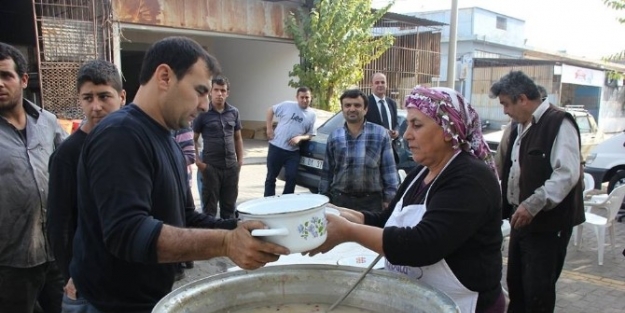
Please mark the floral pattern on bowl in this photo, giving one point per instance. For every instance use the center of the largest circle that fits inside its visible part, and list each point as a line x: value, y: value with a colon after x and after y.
x: 314, y: 228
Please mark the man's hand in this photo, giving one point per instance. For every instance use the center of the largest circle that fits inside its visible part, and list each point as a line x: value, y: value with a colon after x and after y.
x: 385, y: 205
x: 248, y: 252
x: 295, y: 140
x: 393, y: 133
x: 270, y: 133
x: 201, y: 166
x: 521, y: 218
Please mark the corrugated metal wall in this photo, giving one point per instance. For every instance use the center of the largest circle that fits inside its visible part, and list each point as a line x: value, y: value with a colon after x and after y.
x: 244, y: 17
x: 70, y: 32
x: 485, y: 77
x: 412, y: 60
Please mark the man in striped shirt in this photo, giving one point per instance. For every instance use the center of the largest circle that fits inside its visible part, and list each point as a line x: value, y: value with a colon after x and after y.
x: 359, y: 168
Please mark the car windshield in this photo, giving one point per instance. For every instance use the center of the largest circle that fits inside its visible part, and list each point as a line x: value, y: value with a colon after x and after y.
x: 333, y: 123
x: 583, y: 124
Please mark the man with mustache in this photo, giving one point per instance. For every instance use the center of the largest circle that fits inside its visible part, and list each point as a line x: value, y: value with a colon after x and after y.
x: 28, y: 136
x: 359, y: 169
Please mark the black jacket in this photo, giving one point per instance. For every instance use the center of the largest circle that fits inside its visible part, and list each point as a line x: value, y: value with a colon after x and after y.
x: 373, y: 114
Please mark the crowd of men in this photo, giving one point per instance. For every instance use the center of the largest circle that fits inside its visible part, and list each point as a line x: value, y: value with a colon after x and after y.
x: 102, y: 220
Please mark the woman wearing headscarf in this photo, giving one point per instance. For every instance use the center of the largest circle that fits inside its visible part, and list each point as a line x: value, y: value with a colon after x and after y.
x: 444, y: 225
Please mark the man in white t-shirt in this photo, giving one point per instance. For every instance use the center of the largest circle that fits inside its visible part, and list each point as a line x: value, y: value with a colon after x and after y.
x: 296, y: 122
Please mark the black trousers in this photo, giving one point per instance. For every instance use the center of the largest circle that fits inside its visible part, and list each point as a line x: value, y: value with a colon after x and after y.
x: 535, y: 261
x: 22, y: 288
x: 220, y: 186
x: 358, y: 202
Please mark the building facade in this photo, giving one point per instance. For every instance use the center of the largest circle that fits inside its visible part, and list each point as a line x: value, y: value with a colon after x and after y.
x: 490, y: 44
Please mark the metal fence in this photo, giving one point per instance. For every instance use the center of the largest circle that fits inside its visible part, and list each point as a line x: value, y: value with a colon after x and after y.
x: 69, y: 32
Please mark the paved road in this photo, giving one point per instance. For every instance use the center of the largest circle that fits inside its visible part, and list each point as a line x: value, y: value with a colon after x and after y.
x: 584, y: 286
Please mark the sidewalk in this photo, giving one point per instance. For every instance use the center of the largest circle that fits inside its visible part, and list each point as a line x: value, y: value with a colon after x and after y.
x: 254, y: 151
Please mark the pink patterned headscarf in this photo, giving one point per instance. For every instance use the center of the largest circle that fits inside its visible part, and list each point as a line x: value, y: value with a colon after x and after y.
x: 457, y: 117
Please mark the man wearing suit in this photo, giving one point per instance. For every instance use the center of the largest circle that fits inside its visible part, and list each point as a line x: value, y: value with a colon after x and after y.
x: 382, y: 110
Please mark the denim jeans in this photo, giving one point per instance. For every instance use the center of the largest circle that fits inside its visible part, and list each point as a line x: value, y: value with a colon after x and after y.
x: 200, y: 185
x: 80, y: 305
x: 276, y: 159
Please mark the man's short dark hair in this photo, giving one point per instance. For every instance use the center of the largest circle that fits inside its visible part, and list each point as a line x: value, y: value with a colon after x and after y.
x: 513, y: 85
x: 221, y: 81
x: 99, y: 72
x: 179, y: 53
x: 9, y: 52
x: 354, y: 93
x: 303, y: 89
x: 542, y: 91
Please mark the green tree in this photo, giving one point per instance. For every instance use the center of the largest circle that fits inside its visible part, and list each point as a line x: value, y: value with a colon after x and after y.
x: 618, y: 5
x: 335, y: 42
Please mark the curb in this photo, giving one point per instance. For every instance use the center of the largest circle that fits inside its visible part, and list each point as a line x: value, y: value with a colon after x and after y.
x: 254, y: 160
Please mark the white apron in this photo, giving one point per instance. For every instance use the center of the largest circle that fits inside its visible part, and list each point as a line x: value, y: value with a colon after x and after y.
x: 437, y: 275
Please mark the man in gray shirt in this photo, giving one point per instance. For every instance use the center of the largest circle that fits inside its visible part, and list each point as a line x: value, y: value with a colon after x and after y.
x: 28, y: 136
x: 296, y: 122
x: 542, y: 191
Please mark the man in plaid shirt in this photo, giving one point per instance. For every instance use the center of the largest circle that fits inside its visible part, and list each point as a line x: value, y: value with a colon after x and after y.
x: 359, y: 169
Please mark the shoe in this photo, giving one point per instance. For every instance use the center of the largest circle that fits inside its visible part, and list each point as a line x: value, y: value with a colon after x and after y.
x: 188, y: 265
x: 179, y: 275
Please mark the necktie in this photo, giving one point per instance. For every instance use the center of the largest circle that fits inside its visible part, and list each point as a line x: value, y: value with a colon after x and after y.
x: 385, y: 122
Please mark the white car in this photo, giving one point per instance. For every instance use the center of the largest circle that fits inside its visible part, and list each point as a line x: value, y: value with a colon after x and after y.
x: 606, y: 162
x: 590, y: 134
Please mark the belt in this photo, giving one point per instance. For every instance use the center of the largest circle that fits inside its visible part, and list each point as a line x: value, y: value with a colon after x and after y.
x: 358, y: 194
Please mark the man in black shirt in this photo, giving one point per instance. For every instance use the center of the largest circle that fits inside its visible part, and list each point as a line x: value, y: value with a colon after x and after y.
x: 222, y: 155
x: 99, y: 93
x: 137, y: 218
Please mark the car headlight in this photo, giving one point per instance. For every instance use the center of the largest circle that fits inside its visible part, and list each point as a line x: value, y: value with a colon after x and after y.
x: 591, y: 157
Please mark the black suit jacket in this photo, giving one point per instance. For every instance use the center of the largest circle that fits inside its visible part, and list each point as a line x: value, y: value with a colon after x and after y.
x: 373, y: 114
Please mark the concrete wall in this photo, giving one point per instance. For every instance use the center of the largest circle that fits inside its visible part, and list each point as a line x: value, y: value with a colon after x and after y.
x: 257, y: 69
x: 259, y: 75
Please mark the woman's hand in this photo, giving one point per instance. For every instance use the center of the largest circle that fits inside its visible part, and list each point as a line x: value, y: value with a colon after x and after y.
x: 351, y: 215
x: 337, y: 229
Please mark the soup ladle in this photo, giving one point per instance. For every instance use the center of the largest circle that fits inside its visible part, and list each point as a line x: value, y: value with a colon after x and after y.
x: 362, y: 276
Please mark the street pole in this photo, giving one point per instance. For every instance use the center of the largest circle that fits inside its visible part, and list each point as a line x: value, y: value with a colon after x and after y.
x: 451, y: 55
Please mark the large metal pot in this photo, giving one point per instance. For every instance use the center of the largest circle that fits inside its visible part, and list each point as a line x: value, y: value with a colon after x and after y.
x: 380, y: 291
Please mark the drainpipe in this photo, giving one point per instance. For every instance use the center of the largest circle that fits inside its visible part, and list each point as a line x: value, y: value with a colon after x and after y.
x: 451, y: 55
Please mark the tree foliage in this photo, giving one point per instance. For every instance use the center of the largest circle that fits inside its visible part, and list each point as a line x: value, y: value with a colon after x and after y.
x: 335, y: 42
x: 618, y: 5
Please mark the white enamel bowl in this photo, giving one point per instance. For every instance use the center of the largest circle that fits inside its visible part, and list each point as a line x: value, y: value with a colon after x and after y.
x: 295, y: 221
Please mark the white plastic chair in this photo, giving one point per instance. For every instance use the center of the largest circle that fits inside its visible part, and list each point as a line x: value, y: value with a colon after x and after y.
x: 611, y: 205
x: 589, y: 184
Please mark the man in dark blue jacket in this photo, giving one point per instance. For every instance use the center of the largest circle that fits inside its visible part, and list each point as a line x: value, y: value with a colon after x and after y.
x: 137, y: 217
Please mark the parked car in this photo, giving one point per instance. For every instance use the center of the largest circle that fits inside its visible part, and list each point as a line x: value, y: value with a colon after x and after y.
x: 313, y: 151
x: 590, y: 134
x: 606, y: 162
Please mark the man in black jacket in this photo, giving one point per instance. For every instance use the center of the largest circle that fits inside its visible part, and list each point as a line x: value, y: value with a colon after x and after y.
x: 542, y: 191
x: 382, y: 110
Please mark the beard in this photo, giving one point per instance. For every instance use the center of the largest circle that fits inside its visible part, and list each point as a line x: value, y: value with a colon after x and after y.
x: 8, y: 106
